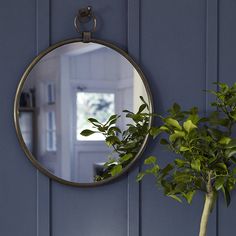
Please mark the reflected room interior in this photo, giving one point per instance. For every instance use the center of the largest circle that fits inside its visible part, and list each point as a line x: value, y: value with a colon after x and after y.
x: 65, y: 88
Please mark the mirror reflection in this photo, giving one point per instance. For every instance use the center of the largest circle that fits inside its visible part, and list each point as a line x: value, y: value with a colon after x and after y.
x: 63, y: 89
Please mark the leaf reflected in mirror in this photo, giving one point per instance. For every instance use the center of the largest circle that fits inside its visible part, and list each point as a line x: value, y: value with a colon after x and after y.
x: 125, y: 144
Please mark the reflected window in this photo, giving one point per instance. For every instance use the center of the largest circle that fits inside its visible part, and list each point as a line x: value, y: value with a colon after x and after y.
x: 26, y: 125
x: 51, y: 131
x: 50, y: 93
x: 96, y: 105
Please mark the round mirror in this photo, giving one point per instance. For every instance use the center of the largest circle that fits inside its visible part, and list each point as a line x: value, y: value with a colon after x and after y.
x: 66, y: 85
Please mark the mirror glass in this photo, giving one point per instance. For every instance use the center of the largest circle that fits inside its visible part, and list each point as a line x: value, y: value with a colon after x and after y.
x: 58, y: 94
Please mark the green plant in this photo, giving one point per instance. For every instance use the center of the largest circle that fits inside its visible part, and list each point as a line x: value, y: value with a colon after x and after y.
x: 125, y: 144
x: 204, y: 149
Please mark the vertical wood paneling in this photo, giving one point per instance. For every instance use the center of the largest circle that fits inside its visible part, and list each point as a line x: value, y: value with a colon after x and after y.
x: 212, y: 70
x: 173, y: 56
x: 211, y: 48
x: 43, y: 182
x: 17, y: 176
x: 100, y: 211
x: 133, y: 191
x: 227, y: 74
x: 180, y: 44
x: 134, y: 19
x: 133, y: 204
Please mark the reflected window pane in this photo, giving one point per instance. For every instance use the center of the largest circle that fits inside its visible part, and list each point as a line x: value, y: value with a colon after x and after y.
x: 26, y: 126
x: 96, y: 105
x: 50, y: 93
x: 51, y: 131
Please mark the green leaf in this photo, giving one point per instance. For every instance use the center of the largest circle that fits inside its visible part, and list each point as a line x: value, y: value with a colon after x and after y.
x: 166, y: 186
x: 180, y: 163
x: 176, y: 107
x: 164, y: 142
x: 189, y: 126
x: 176, y: 135
x: 233, y: 114
x: 212, y: 159
x: 109, y: 162
x: 230, y: 152
x: 224, y: 141
x: 116, y: 170
x: 113, y: 129
x: 233, y: 159
x: 142, y: 99
x: 154, y: 170
x: 219, y: 183
x: 135, y: 117
x: 127, y: 111
x: 112, y: 120
x: 140, y: 176
x: 111, y: 140
x: 184, y: 149
x: 173, y: 122
x: 166, y: 170
x: 189, y: 196
x: 87, y: 132
x: 214, y: 201
x: 154, y: 131
x: 126, y: 157
x: 181, y: 177
x: 231, y: 144
x: 222, y: 166
x: 196, y: 164
x: 150, y: 160
x: 94, y: 122
x: 113, y: 117
x: 223, y: 86
x: 234, y: 171
x: 194, y: 118
x: 232, y: 100
x: 102, y: 129
x: 175, y: 197
x: 226, y: 196
x: 164, y: 128
x: 142, y: 108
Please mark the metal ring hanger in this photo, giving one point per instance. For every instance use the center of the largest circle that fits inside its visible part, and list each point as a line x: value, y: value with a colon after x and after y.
x: 84, y: 16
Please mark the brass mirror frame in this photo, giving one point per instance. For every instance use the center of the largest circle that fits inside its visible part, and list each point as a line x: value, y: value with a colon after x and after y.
x: 30, y: 156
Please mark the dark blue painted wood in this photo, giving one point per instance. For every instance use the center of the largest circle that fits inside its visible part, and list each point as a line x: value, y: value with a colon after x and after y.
x: 211, y: 48
x: 227, y: 73
x: 88, y: 212
x: 212, y: 66
x: 43, y: 182
x: 133, y: 191
x: 99, y: 211
x: 134, y: 29
x: 173, y: 54
x: 17, y: 176
x: 43, y: 18
x: 43, y: 205
x: 177, y: 44
x: 111, y: 19
x: 212, y: 60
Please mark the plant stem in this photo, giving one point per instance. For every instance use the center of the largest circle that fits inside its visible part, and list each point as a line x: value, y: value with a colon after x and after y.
x: 209, y: 201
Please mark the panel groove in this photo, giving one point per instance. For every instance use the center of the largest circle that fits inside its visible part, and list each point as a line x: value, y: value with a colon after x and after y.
x: 218, y: 80
x: 133, y: 188
x: 211, y: 47
x: 212, y: 64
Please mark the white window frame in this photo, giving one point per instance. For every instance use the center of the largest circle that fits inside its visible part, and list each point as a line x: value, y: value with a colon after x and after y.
x: 101, y: 88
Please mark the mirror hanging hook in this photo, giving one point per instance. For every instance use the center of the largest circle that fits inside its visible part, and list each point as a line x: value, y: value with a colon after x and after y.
x: 84, y: 16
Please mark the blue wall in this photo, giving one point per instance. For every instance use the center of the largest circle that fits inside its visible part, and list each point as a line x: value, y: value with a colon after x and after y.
x: 183, y: 46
